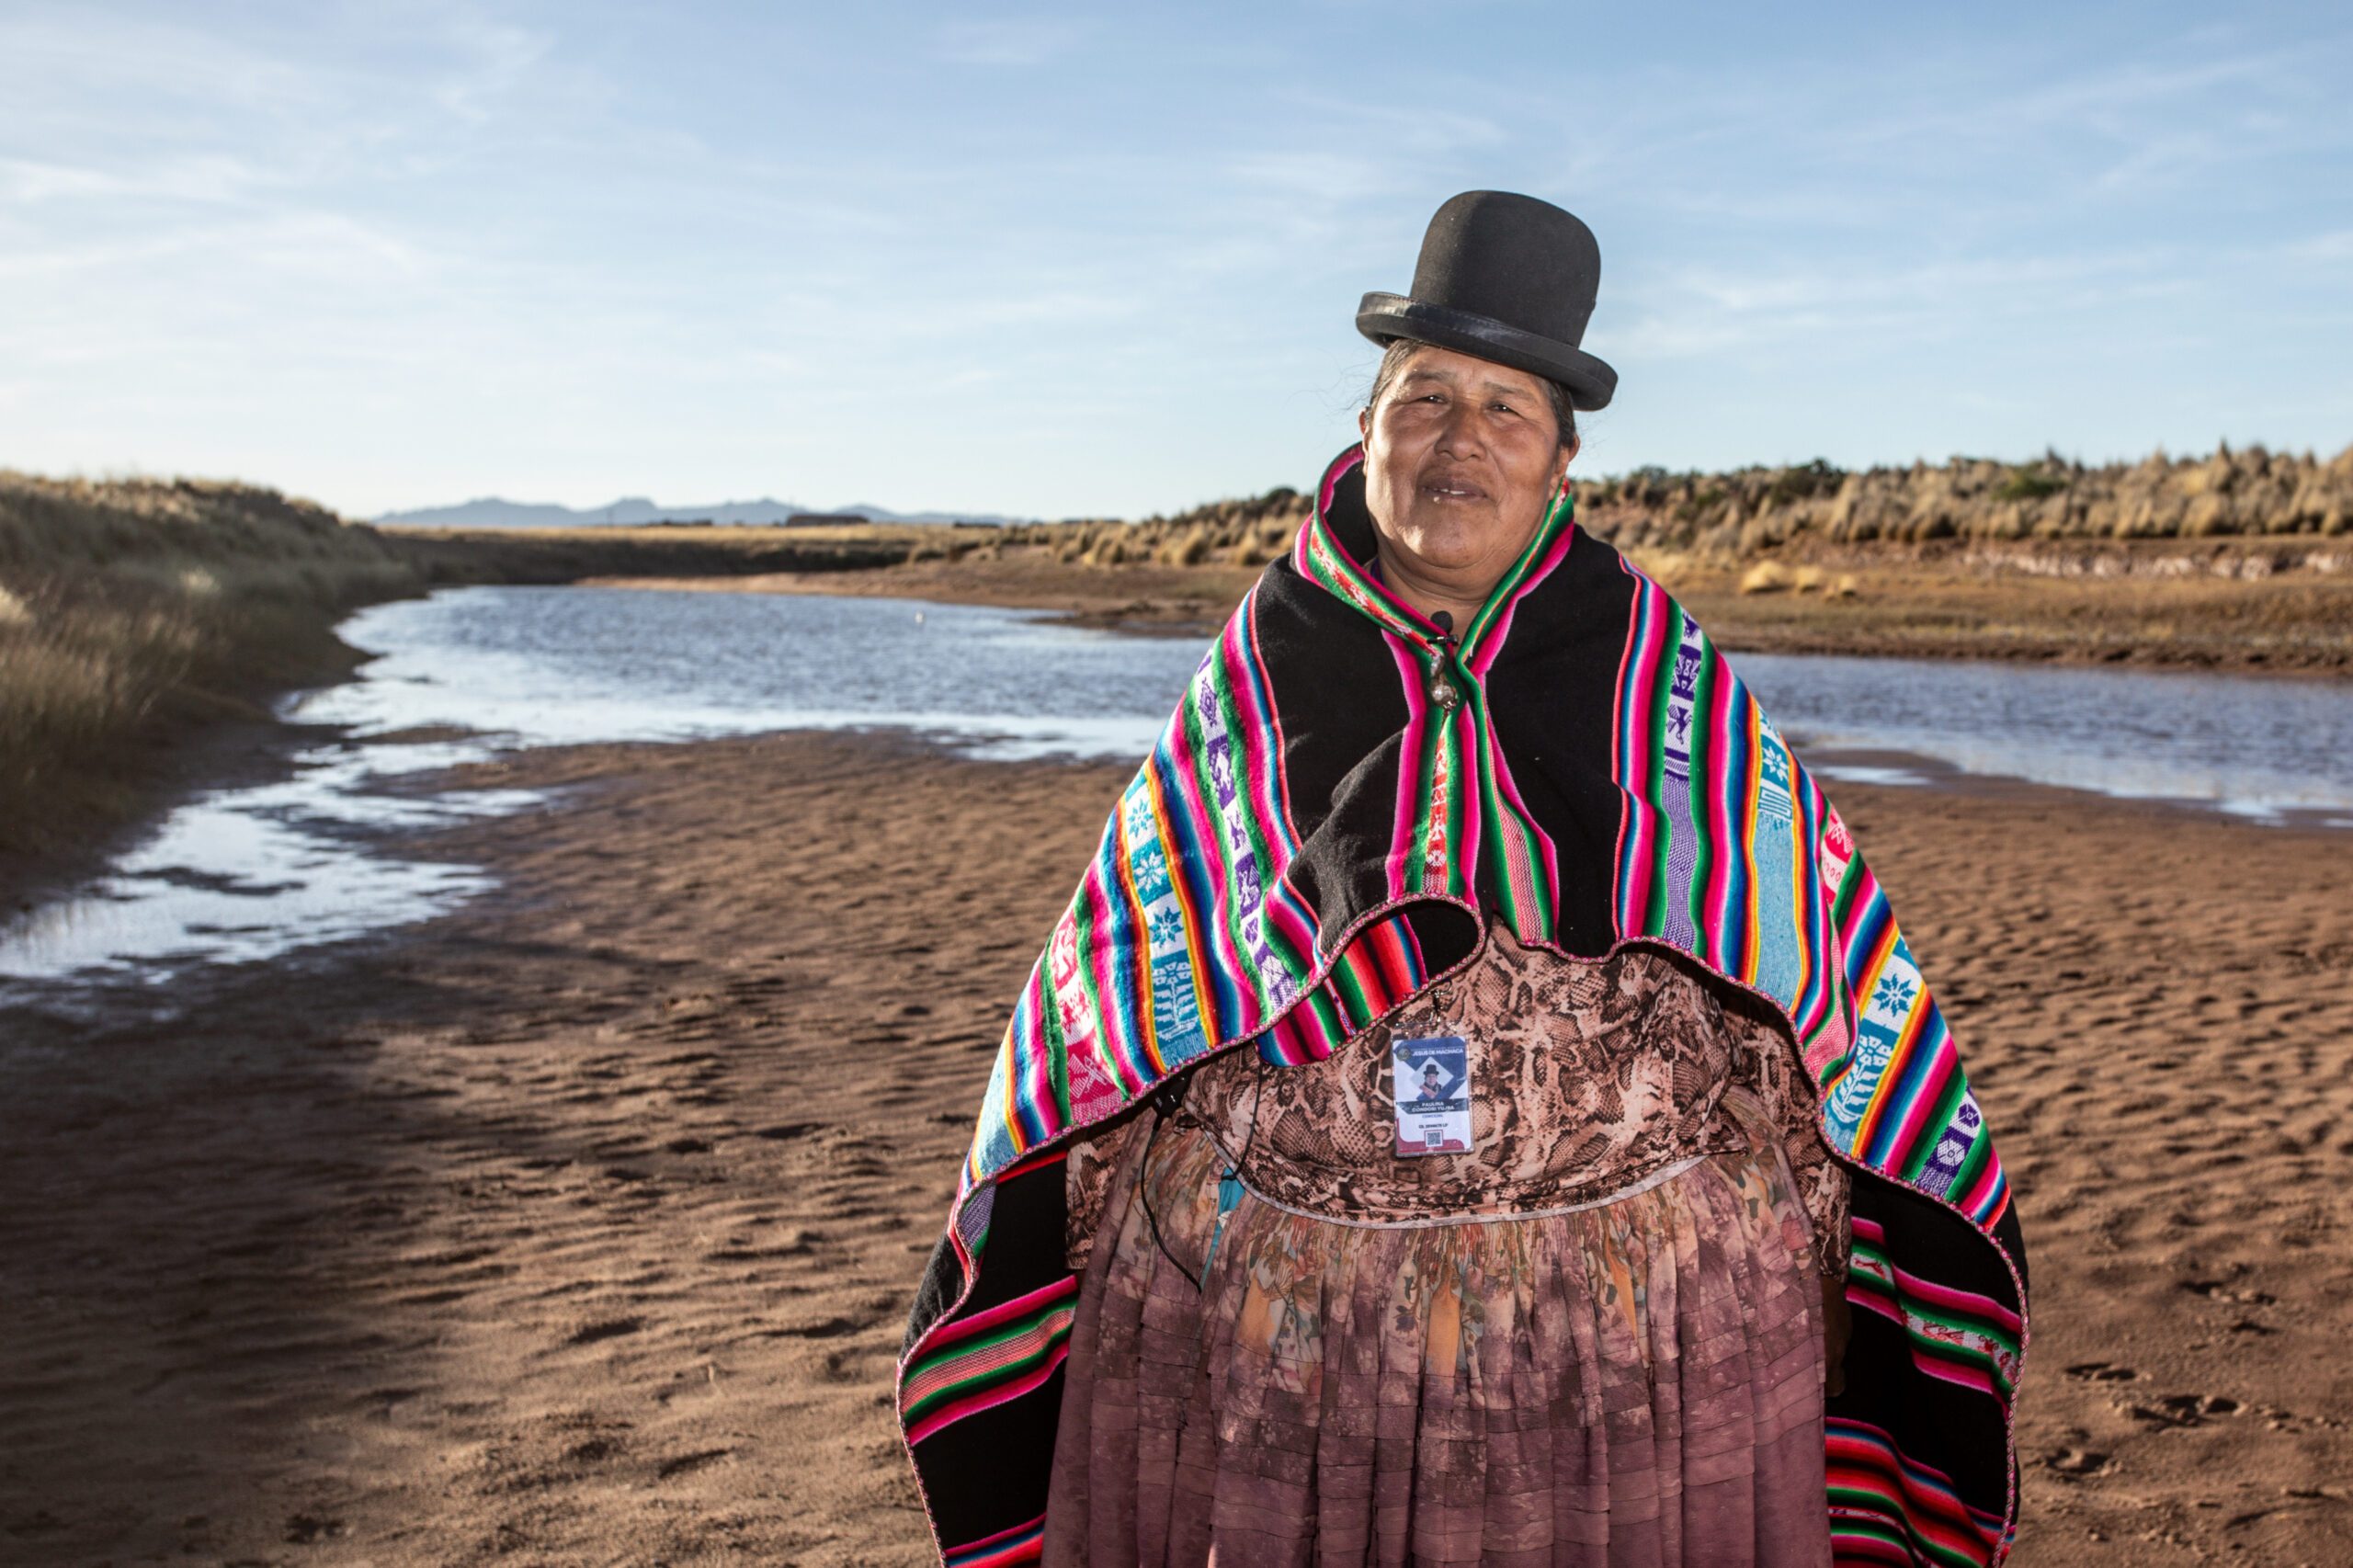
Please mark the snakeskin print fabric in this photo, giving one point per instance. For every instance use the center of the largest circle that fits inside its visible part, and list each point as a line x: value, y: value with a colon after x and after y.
x: 1586, y: 1077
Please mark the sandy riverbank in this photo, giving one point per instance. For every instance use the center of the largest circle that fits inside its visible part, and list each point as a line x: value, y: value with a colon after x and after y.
x: 579, y: 1226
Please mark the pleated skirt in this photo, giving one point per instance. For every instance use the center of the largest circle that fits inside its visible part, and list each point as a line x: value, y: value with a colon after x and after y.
x: 1637, y: 1383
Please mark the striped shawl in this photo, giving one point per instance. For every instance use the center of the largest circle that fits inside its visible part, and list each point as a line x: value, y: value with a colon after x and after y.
x: 1309, y: 845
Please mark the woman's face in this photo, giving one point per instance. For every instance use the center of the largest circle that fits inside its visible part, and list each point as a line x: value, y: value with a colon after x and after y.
x: 1463, y: 460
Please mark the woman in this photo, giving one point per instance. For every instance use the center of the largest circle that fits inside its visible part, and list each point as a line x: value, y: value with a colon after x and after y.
x: 1521, y: 1235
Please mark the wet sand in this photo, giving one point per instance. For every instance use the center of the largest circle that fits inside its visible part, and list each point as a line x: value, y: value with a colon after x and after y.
x: 578, y: 1227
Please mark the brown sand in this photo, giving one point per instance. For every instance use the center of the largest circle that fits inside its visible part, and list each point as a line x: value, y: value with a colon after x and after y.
x: 578, y: 1227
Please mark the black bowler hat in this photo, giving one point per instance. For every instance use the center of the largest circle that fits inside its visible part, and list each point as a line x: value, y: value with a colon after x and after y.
x: 1505, y: 278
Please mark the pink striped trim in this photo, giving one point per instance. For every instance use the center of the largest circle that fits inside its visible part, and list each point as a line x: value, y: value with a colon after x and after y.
x: 1401, y: 843
x: 1953, y: 1301
x: 1842, y: 1433
x: 1867, y: 893
x: 1037, y: 1087
x: 990, y: 1398
x: 1348, y: 464
x: 1967, y: 1376
x: 1096, y: 958
x: 1751, y: 797
x: 1716, y: 790
x: 1490, y: 641
x: 1942, y: 1063
x: 1817, y: 943
x: 1020, y: 1306
x: 1508, y: 788
x: 1200, y: 818
x: 1639, y: 662
x: 980, y: 1363
x: 1022, y: 1543
x: 1464, y: 846
x: 1276, y: 785
x: 1131, y: 1027
x: 1292, y: 918
x: 1991, y: 1185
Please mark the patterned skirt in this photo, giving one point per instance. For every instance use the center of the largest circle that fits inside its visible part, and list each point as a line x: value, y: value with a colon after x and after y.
x: 1638, y: 1381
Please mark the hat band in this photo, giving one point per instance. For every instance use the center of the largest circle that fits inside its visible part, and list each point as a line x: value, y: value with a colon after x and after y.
x: 1394, y: 315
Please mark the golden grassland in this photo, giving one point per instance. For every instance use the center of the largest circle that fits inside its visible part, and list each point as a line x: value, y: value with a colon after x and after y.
x: 129, y: 610
x: 675, y: 549
x: 2234, y: 561
x: 2247, y: 495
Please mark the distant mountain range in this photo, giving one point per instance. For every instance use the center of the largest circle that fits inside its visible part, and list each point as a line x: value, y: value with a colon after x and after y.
x: 492, y: 512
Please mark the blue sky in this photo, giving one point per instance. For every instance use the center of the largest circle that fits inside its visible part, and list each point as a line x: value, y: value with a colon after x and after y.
x: 1105, y: 260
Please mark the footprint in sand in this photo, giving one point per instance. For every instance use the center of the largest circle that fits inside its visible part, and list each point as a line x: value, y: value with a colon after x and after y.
x: 308, y: 1530
x: 2181, y: 1409
x: 2079, y: 1463
x: 2101, y: 1372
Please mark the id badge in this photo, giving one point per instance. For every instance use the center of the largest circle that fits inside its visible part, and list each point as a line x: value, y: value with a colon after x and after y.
x: 1433, y: 1093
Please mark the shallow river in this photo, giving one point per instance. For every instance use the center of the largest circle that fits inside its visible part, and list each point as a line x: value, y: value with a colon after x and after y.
x: 246, y: 874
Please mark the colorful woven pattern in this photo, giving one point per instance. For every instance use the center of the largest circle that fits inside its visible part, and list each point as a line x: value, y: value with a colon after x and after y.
x: 1342, y: 785
x: 1887, y: 1508
x: 1732, y: 853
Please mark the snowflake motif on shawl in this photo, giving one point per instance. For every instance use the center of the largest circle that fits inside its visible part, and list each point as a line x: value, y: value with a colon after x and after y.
x: 1892, y: 996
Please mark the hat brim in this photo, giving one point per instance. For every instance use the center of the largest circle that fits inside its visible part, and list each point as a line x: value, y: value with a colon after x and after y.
x: 1384, y: 318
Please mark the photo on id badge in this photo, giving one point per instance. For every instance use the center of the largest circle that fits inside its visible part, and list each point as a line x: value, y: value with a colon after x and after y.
x: 1433, y: 1094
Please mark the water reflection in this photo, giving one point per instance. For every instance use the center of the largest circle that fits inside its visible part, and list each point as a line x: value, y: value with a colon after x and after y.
x: 2267, y: 749
x: 562, y: 666
x: 250, y: 873
x: 247, y: 874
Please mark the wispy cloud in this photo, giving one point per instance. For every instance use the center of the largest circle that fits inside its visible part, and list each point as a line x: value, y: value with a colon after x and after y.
x: 1699, y: 311
x: 455, y: 246
x: 1033, y: 42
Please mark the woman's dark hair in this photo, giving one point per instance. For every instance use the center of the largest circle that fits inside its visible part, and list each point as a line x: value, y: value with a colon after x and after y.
x: 1564, y: 414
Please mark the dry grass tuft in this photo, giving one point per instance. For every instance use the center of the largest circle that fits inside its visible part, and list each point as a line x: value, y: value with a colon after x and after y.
x: 2259, y: 499
x: 126, y: 604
